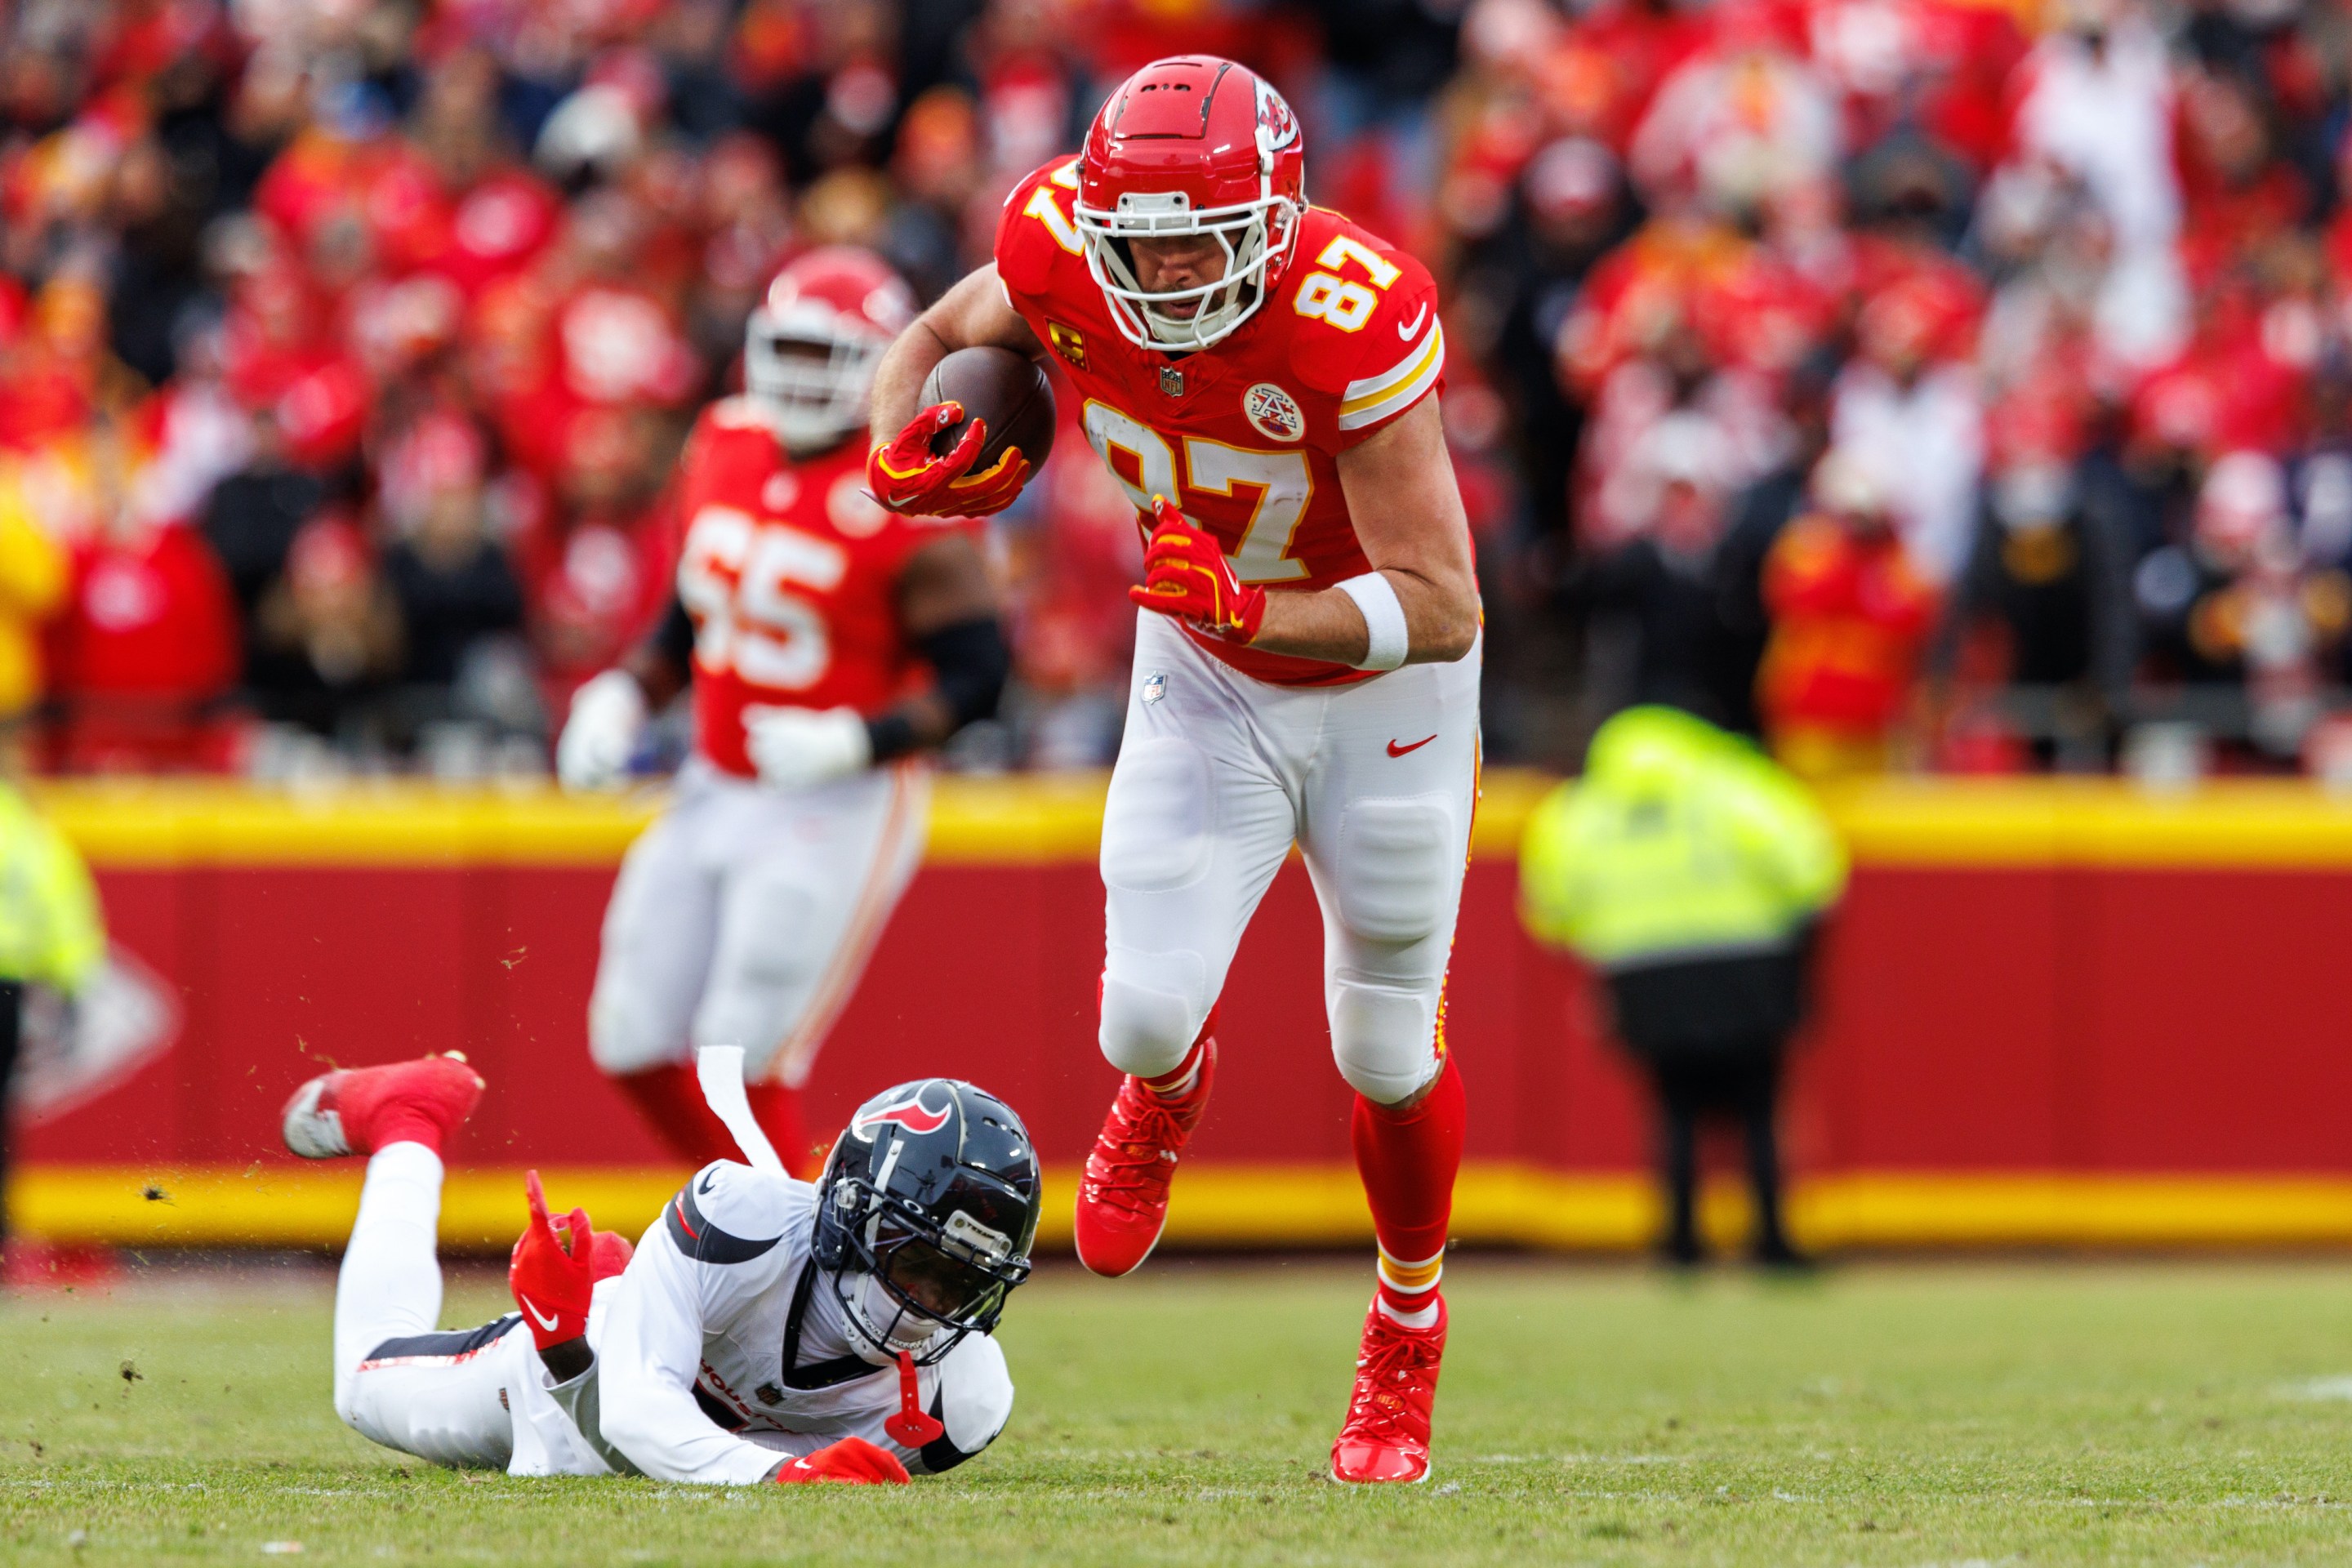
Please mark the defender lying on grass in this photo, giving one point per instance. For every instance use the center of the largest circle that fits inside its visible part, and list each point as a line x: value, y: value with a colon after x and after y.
x: 765, y: 1330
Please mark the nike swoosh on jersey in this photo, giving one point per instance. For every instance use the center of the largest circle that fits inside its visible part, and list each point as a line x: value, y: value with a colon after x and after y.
x: 1397, y: 751
x: 545, y: 1322
x: 1406, y: 329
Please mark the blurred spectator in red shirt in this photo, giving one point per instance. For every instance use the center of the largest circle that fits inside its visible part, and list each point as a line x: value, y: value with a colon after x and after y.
x: 1849, y: 616
x: 146, y: 648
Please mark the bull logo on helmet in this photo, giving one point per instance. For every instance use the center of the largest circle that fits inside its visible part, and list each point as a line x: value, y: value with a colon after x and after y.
x: 910, y: 1113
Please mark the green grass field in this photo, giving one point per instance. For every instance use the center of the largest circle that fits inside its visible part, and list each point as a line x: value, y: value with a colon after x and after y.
x: 2041, y: 1413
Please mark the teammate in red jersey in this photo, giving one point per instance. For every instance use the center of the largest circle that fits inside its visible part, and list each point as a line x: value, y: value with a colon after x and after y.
x: 829, y: 643
x: 1261, y: 376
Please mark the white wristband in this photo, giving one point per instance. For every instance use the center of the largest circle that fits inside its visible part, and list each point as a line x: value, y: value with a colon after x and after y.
x: 1387, y: 641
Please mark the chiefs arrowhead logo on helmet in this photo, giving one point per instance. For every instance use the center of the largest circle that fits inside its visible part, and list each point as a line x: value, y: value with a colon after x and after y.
x: 1277, y: 127
x: 1191, y: 145
x: 909, y: 1113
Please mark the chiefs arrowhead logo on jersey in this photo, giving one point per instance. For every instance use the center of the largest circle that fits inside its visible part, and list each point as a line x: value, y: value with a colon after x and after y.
x: 909, y: 1113
x: 1274, y: 412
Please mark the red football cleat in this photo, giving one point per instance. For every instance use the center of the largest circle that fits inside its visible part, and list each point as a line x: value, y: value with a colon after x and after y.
x: 357, y: 1110
x: 1386, y: 1434
x: 1123, y: 1198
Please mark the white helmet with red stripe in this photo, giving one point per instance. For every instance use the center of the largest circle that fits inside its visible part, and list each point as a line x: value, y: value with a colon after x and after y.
x: 810, y: 349
x: 1193, y: 145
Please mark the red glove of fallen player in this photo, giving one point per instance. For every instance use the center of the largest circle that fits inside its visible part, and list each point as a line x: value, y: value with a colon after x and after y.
x: 906, y: 476
x: 553, y: 1272
x: 852, y: 1461
x: 1186, y: 574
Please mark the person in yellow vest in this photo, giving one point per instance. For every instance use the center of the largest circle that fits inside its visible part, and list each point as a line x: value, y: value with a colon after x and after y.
x: 1691, y: 872
x: 50, y: 933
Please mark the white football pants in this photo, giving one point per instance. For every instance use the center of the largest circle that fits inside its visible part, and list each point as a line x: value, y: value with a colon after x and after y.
x: 744, y: 916
x: 1219, y: 775
x: 445, y: 1397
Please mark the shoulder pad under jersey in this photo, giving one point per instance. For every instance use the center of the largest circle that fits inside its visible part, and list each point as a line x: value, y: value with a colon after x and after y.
x: 729, y: 1213
x: 1036, y: 229
x: 1368, y: 332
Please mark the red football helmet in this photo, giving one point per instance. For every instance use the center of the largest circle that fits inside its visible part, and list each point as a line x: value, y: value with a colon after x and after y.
x: 1192, y: 145
x: 810, y: 350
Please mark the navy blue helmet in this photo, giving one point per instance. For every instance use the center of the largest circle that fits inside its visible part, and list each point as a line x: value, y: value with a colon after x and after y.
x: 933, y: 1191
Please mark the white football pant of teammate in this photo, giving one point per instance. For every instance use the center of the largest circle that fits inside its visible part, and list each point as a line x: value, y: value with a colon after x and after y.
x: 745, y: 915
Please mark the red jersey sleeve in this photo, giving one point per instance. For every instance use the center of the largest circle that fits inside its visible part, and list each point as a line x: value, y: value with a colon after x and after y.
x: 1368, y: 333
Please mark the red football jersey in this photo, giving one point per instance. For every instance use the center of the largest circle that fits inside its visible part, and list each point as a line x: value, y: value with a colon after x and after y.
x: 1244, y: 436
x: 791, y: 573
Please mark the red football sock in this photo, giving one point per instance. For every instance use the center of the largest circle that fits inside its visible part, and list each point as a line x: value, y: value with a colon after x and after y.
x: 1407, y: 1160
x: 1178, y: 1081
x: 406, y: 1124
x: 776, y: 1107
x: 670, y: 1098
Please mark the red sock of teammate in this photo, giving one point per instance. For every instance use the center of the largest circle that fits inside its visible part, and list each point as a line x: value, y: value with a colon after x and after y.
x: 777, y: 1109
x: 1407, y: 1160
x: 669, y: 1097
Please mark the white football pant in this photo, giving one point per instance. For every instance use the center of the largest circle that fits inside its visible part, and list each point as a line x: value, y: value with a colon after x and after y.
x: 1218, y: 776
x: 745, y: 914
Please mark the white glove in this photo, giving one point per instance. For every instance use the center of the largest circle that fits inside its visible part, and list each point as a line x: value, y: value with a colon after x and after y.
x: 795, y: 748
x: 608, y: 715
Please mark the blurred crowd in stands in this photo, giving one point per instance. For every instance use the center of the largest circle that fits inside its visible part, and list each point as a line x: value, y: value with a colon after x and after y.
x: 1927, y: 384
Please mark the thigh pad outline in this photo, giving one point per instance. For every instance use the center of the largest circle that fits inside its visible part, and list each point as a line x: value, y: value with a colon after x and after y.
x: 1158, y: 822
x: 1390, y: 879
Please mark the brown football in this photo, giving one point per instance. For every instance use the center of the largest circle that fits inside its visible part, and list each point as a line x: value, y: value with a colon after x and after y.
x: 1004, y: 390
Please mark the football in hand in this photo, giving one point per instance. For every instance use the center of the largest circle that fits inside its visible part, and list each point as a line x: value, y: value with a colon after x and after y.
x: 1004, y: 390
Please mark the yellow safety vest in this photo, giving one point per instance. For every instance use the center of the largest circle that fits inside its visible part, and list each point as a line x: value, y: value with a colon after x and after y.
x: 1681, y: 840
x: 50, y: 930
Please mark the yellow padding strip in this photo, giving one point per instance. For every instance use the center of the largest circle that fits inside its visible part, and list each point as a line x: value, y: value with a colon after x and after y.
x: 1057, y: 819
x: 1495, y: 1202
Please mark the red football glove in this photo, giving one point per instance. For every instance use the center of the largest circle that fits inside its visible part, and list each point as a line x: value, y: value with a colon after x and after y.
x: 906, y: 476
x: 852, y: 1461
x: 552, y: 1272
x: 1186, y: 574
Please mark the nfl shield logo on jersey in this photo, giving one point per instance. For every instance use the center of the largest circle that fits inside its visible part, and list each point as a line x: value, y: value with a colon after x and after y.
x: 1155, y: 686
x: 1274, y: 412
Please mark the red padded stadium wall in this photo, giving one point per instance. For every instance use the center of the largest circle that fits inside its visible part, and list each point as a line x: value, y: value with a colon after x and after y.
x: 2009, y: 1018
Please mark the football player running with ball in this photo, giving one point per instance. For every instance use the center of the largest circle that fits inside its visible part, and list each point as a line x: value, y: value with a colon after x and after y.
x: 829, y: 644
x: 763, y: 1330
x: 1262, y: 377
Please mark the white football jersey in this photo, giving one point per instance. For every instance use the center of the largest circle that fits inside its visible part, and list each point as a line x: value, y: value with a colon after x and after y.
x: 722, y: 1349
